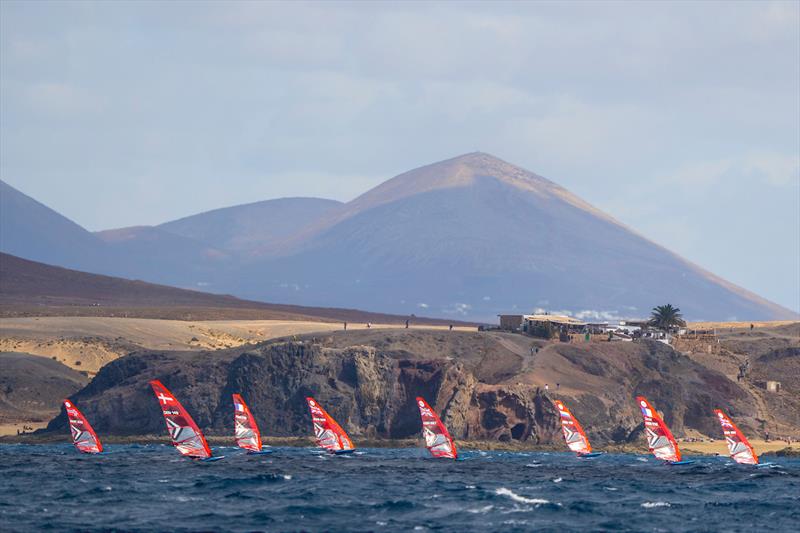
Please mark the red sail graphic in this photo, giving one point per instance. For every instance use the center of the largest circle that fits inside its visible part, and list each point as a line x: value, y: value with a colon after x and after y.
x: 183, y: 430
x: 573, y: 432
x: 246, y: 430
x: 738, y: 446
x: 437, y: 438
x: 83, y: 436
x: 329, y: 434
x: 659, y: 438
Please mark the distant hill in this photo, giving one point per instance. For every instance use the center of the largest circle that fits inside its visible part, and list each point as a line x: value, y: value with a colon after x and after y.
x: 31, y: 288
x: 32, y: 230
x: 256, y: 226
x: 469, y: 237
x: 151, y: 253
x: 32, y: 387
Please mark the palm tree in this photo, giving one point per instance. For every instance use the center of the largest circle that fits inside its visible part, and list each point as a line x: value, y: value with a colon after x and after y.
x: 666, y: 317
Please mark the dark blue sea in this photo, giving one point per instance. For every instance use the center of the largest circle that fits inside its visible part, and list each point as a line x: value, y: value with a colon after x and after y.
x: 151, y: 488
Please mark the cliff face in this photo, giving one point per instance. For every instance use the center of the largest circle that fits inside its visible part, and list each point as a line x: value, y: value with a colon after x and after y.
x: 485, y: 386
x: 369, y: 393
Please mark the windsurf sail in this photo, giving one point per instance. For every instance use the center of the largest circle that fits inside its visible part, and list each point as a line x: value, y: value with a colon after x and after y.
x: 246, y: 430
x: 83, y: 436
x: 183, y: 430
x: 659, y: 438
x: 437, y: 438
x: 573, y: 432
x: 329, y: 434
x: 741, y: 451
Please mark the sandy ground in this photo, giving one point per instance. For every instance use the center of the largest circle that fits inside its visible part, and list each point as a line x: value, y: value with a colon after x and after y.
x: 719, y: 446
x: 88, y: 343
x: 13, y: 428
x: 739, y: 325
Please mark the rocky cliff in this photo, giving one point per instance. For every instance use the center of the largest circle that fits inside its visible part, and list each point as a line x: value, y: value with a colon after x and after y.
x: 486, y: 386
x: 370, y: 393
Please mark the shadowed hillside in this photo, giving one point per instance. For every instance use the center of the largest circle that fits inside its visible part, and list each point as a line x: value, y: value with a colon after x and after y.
x: 28, y: 288
x: 32, y: 387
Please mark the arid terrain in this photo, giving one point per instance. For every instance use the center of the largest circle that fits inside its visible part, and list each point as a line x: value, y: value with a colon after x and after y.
x: 88, y: 343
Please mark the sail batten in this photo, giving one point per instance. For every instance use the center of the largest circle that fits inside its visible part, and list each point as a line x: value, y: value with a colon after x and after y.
x: 437, y: 438
x: 327, y: 431
x: 574, y: 436
x: 184, y: 432
x: 246, y: 430
x: 83, y: 435
x: 659, y: 438
x: 739, y: 447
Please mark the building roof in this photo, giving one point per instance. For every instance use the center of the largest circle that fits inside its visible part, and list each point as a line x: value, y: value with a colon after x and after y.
x: 555, y: 319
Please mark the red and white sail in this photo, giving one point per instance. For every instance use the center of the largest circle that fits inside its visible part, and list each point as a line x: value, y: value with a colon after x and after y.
x: 183, y: 430
x: 437, y: 438
x: 329, y: 434
x: 573, y: 432
x: 246, y: 430
x: 740, y: 449
x: 83, y: 436
x: 659, y: 438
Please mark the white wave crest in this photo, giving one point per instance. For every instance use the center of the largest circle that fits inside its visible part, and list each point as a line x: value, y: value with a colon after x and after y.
x: 650, y: 505
x: 502, y: 491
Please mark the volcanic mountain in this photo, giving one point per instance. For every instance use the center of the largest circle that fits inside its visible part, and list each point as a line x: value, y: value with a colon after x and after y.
x: 476, y: 236
x: 469, y: 237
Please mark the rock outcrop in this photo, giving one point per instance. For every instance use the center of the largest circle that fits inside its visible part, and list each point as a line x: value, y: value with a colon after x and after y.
x: 369, y: 393
x: 485, y: 385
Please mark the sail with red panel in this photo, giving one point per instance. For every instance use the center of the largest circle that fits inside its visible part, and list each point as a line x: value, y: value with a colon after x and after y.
x: 437, y: 438
x: 576, y: 438
x: 83, y: 436
x: 740, y: 449
x: 328, y: 433
x: 246, y: 430
x: 659, y: 438
x: 186, y: 436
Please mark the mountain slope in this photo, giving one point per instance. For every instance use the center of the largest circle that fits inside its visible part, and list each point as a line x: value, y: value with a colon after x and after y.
x: 249, y: 227
x: 31, y: 288
x: 154, y: 254
x: 32, y: 387
x: 475, y: 236
x: 33, y: 230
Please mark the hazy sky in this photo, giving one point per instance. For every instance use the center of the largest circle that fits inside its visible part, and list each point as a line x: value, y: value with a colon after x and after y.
x: 680, y: 119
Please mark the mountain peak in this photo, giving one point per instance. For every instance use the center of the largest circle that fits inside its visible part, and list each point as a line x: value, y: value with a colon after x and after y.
x: 460, y: 171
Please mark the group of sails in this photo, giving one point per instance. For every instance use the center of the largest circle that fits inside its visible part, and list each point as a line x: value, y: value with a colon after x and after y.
x: 189, y: 440
x: 660, y: 441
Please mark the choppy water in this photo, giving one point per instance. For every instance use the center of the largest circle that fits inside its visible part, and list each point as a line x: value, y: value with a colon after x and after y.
x: 145, y: 488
